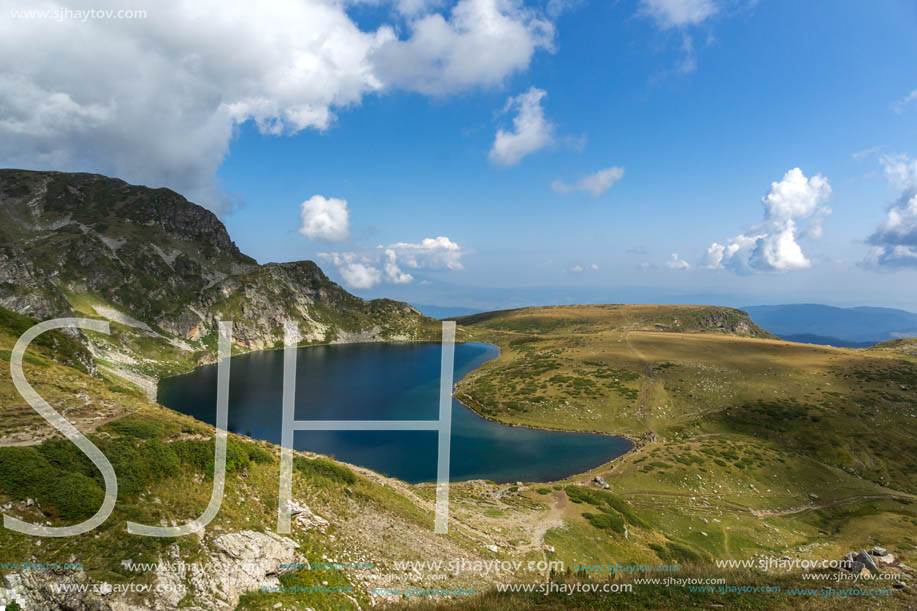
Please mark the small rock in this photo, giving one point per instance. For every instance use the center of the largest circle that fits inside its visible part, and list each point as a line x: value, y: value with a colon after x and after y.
x: 813, y: 496
x: 12, y: 581
x: 492, y: 548
x: 866, y: 559
x: 878, y: 551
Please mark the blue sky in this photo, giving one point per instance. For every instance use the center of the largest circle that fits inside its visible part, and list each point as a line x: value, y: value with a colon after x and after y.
x: 693, y: 107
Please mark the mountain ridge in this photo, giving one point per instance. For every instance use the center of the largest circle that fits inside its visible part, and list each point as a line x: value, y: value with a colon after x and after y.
x: 165, y: 270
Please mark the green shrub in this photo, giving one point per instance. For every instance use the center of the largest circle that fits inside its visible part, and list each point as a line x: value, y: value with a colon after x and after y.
x: 320, y: 467
x: 683, y: 553
x: 7, y: 355
x: 25, y: 473
x: 660, y: 551
x: 606, y: 501
x: 259, y: 455
x: 142, y: 427
x: 543, y: 491
x: 606, y: 521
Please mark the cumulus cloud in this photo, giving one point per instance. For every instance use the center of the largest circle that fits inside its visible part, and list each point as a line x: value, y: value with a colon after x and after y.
x: 900, y: 105
x: 430, y: 253
x: 387, y: 263
x: 360, y: 275
x: 678, y: 13
x: 594, y: 184
x: 357, y: 271
x: 576, y: 269
x: 772, y: 244
x: 480, y: 43
x: 677, y: 262
x: 894, y: 242
x: 901, y: 170
x: 531, y: 131
x: 156, y: 100
x: 393, y: 272
x: 325, y: 219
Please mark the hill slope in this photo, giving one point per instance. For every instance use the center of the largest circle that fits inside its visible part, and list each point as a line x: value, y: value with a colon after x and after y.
x: 592, y: 318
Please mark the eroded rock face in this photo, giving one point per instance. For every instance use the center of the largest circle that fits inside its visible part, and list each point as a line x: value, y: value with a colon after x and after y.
x: 59, y: 591
x: 239, y: 562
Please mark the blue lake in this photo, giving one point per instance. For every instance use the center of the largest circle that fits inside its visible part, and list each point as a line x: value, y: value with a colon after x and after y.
x: 386, y: 382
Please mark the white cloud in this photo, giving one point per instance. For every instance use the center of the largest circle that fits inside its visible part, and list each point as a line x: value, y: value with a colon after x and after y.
x: 895, y: 240
x: 678, y: 13
x: 688, y: 63
x: 900, y: 170
x: 860, y: 155
x: 480, y: 44
x: 325, y: 219
x: 772, y: 244
x: 578, y: 269
x: 431, y: 253
x: 357, y: 272
x: 386, y: 263
x: 531, y: 131
x: 360, y: 275
x: 393, y: 273
x: 901, y: 104
x: 594, y: 184
x: 155, y: 101
x: 677, y: 263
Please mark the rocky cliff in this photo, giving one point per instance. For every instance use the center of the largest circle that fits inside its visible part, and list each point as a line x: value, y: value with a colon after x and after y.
x: 166, y: 271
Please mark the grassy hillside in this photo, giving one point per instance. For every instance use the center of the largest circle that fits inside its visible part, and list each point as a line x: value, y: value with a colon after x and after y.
x: 583, y: 319
x: 746, y: 448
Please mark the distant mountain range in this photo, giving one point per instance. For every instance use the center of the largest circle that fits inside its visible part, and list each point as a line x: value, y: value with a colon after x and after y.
x: 812, y: 323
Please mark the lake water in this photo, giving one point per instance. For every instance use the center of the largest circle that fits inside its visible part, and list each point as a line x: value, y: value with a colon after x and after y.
x: 386, y: 382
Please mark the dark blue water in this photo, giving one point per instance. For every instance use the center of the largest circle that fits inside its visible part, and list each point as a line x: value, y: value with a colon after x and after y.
x: 386, y: 382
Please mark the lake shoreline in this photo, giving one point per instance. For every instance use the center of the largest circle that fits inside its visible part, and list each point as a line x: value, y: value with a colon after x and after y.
x: 625, y: 444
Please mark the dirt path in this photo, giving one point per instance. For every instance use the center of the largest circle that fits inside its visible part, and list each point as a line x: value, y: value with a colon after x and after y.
x: 772, y: 513
x: 646, y: 391
x: 540, y: 524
